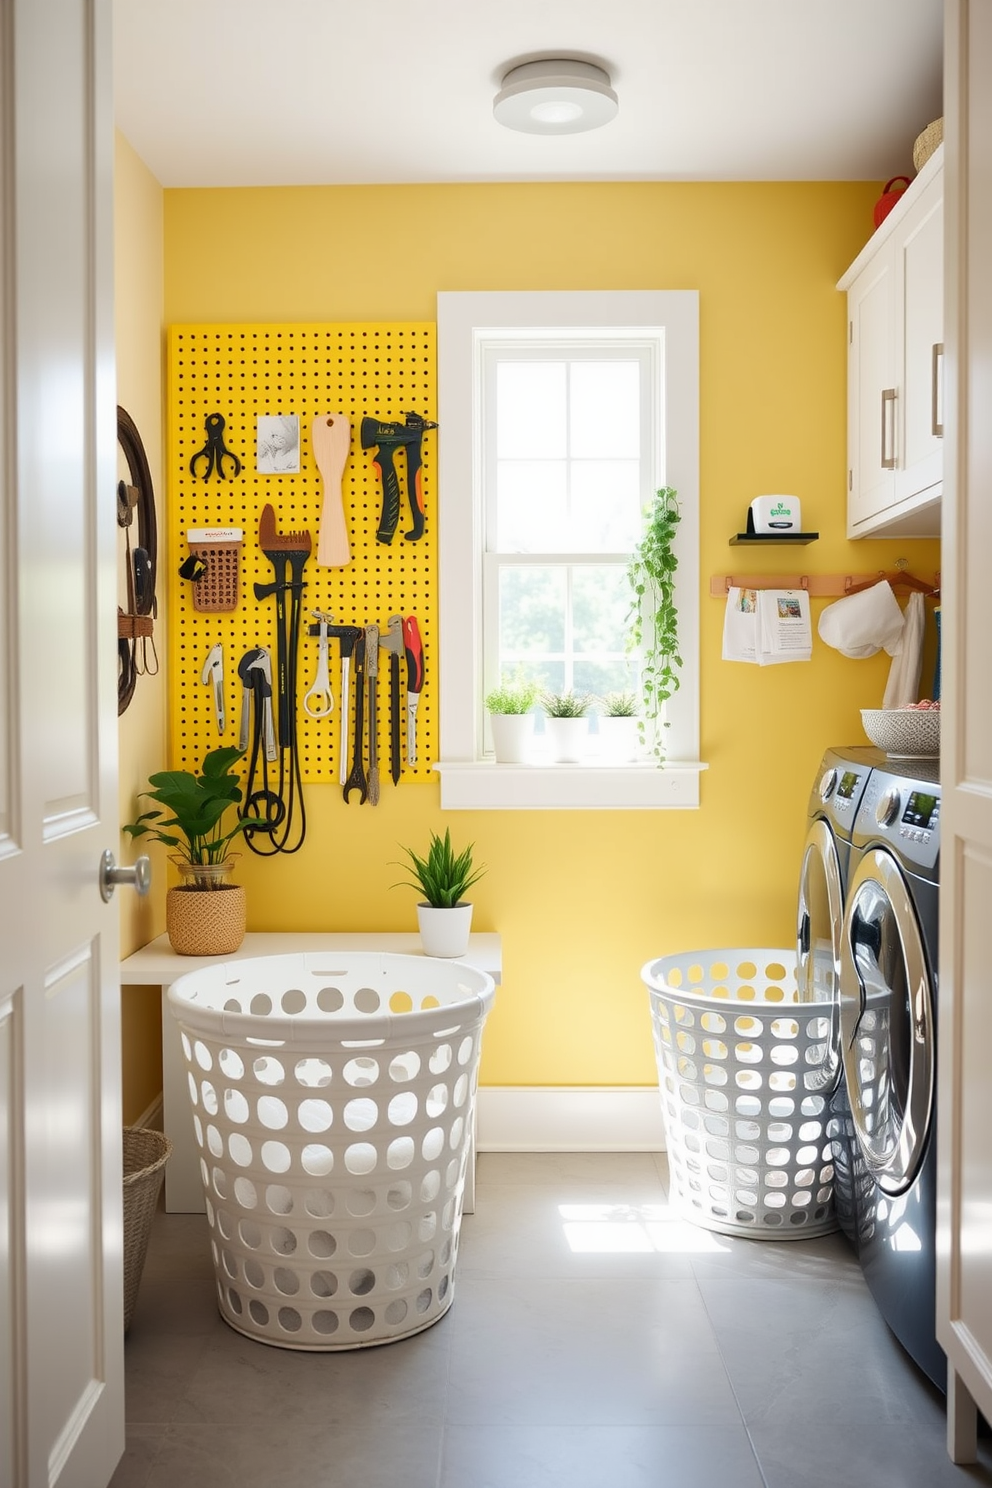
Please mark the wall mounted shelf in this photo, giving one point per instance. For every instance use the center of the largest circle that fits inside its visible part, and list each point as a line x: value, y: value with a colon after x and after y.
x: 796, y: 539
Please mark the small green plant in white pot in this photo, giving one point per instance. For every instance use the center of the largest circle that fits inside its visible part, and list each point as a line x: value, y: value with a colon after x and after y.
x: 617, y: 726
x: 443, y: 877
x: 510, y: 719
x: 567, y: 725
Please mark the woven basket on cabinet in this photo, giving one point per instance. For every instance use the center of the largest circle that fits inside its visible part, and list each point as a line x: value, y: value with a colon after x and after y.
x: 927, y: 142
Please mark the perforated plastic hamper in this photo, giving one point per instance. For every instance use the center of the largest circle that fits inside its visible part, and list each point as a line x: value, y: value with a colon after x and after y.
x: 332, y: 1098
x: 745, y: 1071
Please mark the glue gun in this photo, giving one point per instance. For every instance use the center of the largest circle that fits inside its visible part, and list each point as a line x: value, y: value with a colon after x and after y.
x: 389, y: 437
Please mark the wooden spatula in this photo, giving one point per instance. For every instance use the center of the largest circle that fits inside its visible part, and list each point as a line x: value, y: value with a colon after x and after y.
x: 331, y: 438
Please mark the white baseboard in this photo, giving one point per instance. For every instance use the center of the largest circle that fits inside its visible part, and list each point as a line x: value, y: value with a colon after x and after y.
x: 153, y: 1116
x: 531, y: 1118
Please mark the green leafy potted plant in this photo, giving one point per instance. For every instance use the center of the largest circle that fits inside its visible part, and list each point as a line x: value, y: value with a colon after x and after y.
x: 443, y: 877
x: 205, y: 913
x: 567, y: 724
x: 510, y: 718
x: 653, y: 618
x: 618, y: 727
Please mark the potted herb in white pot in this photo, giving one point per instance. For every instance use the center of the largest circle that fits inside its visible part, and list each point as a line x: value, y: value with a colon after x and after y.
x: 510, y: 719
x: 443, y: 877
x: 617, y: 727
x: 567, y: 725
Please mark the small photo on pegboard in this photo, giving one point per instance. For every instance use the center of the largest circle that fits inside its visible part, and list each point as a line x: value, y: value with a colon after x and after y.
x: 277, y: 444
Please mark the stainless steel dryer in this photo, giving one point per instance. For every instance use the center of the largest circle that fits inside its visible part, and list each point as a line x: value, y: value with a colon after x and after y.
x: 888, y: 996
x: 836, y: 794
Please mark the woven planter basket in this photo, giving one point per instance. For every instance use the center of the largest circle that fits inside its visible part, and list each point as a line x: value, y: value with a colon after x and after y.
x: 206, y: 922
x: 146, y: 1153
x: 927, y: 142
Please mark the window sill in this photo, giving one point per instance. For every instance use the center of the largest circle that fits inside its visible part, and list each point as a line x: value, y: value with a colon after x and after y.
x: 481, y: 786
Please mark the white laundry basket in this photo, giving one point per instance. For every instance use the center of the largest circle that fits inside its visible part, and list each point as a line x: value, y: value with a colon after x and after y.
x: 745, y: 1072
x: 333, y: 1098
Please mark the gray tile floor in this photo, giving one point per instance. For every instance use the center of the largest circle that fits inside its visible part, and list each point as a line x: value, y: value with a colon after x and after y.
x: 595, y: 1341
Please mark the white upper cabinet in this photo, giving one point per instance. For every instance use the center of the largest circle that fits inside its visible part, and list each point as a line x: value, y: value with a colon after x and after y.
x: 895, y: 302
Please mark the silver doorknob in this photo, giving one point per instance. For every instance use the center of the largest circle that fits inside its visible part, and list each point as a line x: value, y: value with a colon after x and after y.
x: 138, y: 874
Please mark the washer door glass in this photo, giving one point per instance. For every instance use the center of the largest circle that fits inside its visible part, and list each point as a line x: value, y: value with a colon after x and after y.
x: 887, y: 1027
x: 818, y: 929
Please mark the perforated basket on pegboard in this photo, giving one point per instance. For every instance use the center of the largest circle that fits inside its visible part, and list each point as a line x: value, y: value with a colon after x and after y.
x: 333, y: 1097
x: 745, y: 1071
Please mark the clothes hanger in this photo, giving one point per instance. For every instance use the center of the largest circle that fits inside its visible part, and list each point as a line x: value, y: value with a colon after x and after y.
x: 899, y: 578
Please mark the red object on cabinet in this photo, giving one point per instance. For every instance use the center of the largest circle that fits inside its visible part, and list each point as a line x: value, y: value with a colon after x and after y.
x: 890, y: 195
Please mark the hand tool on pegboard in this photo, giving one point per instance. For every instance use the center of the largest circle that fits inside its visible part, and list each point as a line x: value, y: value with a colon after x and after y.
x: 390, y: 437
x: 265, y: 803
x: 215, y: 452
x: 331, y: 440
x: 372, y: 682
x: 414, y: 682
x: 212, y: 676
x: 288, y: 553
x: 346, y: 636
x: 318, y: 700
x: 356, y: 775
x: 392, y: 642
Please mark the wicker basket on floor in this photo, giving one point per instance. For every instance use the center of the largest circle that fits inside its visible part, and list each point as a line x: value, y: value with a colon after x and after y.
x: 146, y: 1153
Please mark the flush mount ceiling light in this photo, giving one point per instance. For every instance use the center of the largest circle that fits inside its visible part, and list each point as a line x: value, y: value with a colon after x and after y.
x: 555, y: 96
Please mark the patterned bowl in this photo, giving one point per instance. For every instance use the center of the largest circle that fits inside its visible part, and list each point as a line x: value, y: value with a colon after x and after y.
x: 904, y: 733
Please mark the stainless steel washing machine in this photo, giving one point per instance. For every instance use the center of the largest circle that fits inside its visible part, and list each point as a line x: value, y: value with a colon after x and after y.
x: 836, y: 794
x: 888, y: 998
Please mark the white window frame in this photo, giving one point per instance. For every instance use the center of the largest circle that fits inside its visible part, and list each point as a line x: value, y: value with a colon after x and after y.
x: 465, y: 322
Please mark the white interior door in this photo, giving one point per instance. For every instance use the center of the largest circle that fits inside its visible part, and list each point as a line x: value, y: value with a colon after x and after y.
x: 61, y: 1344
x: 964, y: 1112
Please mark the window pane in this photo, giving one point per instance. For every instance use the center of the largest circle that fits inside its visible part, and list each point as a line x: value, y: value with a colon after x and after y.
x: 600, y: 600
x: 601, y: 677
x: 531, y: 514
x: 531, y: 614
x: 530, y: 411
x: 605, y: 411
x: 606, y: 506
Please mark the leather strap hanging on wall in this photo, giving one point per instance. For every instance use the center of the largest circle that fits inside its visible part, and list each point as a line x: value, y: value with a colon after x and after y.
x: 136, y: 652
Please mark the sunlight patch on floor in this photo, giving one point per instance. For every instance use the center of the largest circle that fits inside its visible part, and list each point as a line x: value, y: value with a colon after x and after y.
x: 634, y: 1229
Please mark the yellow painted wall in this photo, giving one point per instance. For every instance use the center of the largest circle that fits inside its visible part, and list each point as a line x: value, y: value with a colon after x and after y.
x: 583, y: 899
x: 138, y: 288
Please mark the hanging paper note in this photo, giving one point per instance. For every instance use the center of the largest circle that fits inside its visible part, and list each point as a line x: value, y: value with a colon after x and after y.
x: 784, y: 631
x: 740, y: 626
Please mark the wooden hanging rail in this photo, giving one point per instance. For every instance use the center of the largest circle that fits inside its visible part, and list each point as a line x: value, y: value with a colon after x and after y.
x: 821, y: 586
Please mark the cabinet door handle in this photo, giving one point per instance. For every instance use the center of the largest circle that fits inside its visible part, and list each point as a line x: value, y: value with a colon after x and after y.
x: 888, y: 420
x: 936, y: 390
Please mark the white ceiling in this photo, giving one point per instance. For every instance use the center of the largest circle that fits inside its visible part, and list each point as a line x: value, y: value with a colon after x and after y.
x: 319, y: 92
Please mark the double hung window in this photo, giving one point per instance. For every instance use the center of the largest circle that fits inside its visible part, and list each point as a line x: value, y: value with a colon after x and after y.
x: 560, y: 415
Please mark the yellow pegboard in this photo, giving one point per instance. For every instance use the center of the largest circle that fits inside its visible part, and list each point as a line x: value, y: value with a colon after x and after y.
x: 241, y: 372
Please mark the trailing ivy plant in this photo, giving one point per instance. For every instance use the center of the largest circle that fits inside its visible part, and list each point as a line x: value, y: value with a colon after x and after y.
x: 652, y: 619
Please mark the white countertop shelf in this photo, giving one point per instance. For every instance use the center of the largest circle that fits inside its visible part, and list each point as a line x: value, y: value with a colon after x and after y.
x: 158, y: 965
